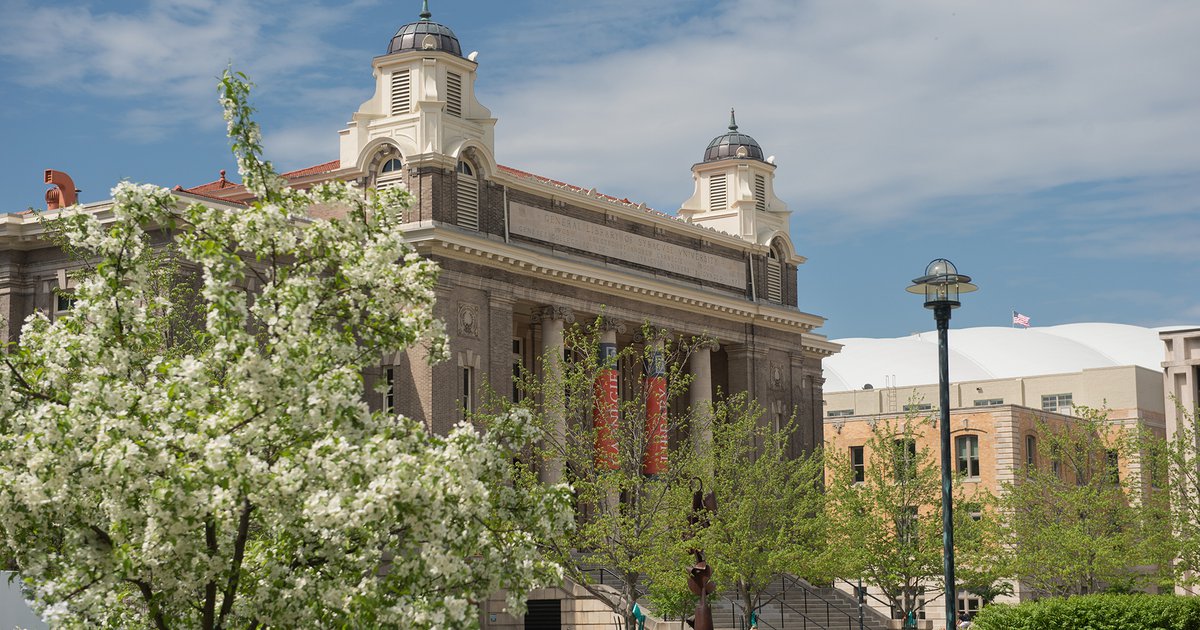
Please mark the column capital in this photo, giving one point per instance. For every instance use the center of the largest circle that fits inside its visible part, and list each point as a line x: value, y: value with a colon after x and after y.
x: 743, y: 350
x: 652, y: 334
x: 545, y: 313
x: 501, y: 299
x: 606, y: 323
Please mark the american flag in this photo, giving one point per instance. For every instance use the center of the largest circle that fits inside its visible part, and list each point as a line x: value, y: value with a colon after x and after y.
x: 1020, y: 320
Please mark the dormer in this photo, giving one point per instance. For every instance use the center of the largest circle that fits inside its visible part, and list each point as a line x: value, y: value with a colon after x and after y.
x: 735, y: 190
x: 424, y: 111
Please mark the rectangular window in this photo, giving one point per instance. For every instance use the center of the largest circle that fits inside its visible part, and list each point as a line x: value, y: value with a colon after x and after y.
x: 859, y: 462
x: 717, y: 198
x: 468, y: 389
x: 918, y: 407
x: 1030, y: 451
x: 989, y: 402
x: 1060, y: 403
x: 389, y: 394
x: 1056, y: 468
x: 401, y: 92
x: 454, y: 94
x: 906, y: 459
x: 906, y: 526
x: 760, y: 193
x: 1112, y: 466
x: 468, y: 201
x: 518, y: 368
x: 774, y: 280
x: 967, y: 447
x: 837, y: 413
x: 968, y: 604
x: 63, y: 301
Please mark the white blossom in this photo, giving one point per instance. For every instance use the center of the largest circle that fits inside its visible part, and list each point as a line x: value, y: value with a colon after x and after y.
x: 158, y: 461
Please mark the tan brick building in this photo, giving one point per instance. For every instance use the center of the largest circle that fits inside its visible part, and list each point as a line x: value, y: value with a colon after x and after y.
x: 1003, y: 382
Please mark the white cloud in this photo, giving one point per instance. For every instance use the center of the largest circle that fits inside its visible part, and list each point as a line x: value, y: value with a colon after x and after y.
x: 165, y: 59
x: 874, y: 108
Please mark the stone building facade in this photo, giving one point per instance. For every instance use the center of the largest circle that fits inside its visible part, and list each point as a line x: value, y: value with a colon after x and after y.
x: 524, y: 256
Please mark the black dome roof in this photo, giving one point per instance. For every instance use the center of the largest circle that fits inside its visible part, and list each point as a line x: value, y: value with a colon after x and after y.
x: 727, y: 145
x: 425, y: 34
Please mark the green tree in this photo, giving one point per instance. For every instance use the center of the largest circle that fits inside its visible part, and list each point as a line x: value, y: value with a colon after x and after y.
x: 1073, y: 524
x: 1182, y: 466
x: 770, y: 514
x: 229, y: 472
x: 887, y: 529
x: 629, y: 523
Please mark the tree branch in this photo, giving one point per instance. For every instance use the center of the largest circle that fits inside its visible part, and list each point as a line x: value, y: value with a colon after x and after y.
x: 235, y: 570
x: 210, y: 589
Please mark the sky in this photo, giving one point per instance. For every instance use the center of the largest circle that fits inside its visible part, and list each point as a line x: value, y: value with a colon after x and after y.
x: 1051, y: 150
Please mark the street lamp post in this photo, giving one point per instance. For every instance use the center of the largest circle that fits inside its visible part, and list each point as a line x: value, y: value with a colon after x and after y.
x: 941, y: 286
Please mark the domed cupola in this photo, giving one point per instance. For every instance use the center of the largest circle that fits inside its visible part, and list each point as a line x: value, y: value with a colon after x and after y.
x: 425, y: 34
x: 423, y: 114
x: 735, y: 190
x: 733, y: 145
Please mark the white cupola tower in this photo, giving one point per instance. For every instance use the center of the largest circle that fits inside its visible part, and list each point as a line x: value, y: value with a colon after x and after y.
x: 735, y: 190
x: 424, y: 110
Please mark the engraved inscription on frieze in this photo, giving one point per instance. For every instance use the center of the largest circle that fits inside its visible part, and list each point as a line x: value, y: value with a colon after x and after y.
x: 614, y: 243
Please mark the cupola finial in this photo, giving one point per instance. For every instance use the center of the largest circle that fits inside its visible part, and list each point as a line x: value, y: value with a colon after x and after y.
x: 732, y: 121
x: 425, y: 14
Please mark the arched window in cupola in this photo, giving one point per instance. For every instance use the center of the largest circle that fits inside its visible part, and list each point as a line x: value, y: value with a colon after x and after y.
x: 390, y: 174
x: 467, y: 187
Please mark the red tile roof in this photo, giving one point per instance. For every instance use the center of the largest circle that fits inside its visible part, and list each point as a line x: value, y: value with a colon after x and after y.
x: 333, y: 165
x: 326, y: 167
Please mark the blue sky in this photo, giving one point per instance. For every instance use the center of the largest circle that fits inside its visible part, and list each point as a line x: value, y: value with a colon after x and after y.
x: 1050, y: 149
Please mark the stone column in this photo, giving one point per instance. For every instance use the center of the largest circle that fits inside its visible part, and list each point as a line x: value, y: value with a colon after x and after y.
x: 499, y: 343
x: 654, y: 457
x: 700, y: 395
x: 606, y: 406
x: 552, y: 320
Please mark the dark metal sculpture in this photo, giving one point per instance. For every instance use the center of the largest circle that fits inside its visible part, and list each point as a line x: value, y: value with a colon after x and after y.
x: 700, y: 574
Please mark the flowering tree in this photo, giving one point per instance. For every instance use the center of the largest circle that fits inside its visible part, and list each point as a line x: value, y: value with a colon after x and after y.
x: 232, y: 474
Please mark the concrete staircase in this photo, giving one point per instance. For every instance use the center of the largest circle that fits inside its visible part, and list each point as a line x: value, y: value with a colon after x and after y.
x: 797, y: 605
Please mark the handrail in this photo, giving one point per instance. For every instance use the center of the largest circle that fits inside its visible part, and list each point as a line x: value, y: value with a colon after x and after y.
x: 812, y: 590
x: 830, y: 607
x: 864, y: 592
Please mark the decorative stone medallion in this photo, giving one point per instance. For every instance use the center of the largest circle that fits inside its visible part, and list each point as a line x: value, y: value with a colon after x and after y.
x: 468, y: 320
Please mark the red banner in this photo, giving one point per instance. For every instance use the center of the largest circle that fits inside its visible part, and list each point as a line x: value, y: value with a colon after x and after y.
x: 654, y: 461
x: 606, y: 411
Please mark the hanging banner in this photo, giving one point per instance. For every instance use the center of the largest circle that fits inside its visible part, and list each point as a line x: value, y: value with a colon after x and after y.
x: 654, y: 461
x: 606, y: 409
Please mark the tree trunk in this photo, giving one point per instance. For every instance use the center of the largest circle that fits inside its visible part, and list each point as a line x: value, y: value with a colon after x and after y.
x: 743, y: 592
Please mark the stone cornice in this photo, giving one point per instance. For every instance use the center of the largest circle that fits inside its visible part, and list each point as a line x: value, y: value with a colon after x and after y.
x: 436, y: 239
x: 590, y: 200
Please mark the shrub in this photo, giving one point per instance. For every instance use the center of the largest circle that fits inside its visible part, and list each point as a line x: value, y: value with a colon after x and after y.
x: 1095, y: 612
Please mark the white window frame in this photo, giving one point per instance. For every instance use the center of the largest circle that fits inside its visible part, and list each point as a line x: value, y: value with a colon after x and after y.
x: 971, y: 456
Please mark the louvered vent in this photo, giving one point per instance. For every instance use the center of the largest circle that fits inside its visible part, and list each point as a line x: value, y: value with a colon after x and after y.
x: 760, y: 192
x: 401, y: 92
x: 717, y: 197
x: 454, y: 94
x: 774, y: 280
x: 468, y: 197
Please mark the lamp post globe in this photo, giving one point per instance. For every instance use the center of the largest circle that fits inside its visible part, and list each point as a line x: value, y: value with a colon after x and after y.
x: 942, y: 285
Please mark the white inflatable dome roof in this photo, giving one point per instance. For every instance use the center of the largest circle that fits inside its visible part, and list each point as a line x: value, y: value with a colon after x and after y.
x: 990, y: 353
